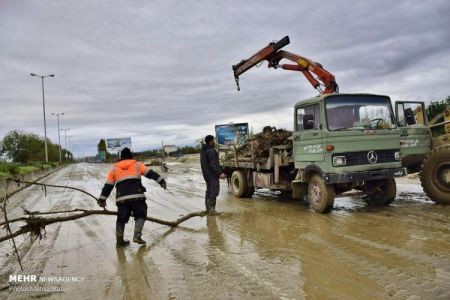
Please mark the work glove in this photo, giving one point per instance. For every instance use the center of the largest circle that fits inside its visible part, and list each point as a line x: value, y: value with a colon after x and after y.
x: 101, y: 203
x: 163, y: 184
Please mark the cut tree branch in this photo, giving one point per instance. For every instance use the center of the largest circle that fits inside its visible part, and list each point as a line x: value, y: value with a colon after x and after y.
x: 36, y: 224
x: 52, y: 185
x: 8, y: 228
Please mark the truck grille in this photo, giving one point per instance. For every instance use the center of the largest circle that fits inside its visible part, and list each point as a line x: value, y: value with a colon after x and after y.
x: 361, y: 157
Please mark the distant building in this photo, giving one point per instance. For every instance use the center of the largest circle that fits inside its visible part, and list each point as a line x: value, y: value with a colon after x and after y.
x: 168, y: 149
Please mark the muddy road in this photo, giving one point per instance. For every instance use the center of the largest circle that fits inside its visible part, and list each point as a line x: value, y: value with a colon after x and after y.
x: 264, y: 248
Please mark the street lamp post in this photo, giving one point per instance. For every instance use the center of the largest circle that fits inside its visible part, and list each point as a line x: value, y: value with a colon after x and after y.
x: 43, y: 105
x: 65, y: 140
x: 70, y: 147
x: 59, y: 135
x: 73, y: 149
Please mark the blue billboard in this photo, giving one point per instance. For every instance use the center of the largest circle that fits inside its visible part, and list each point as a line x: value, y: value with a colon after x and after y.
x: 231, y: 134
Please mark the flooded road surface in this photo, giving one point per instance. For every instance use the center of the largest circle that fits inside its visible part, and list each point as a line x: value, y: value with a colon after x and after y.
x: 264, y: 248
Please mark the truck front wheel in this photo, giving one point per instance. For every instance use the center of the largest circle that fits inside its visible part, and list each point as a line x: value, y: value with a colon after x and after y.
x: 380, y: 192
x: 320, y: 195
x: 239, y: 185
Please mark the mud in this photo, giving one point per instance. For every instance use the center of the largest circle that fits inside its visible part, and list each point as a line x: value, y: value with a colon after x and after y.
x: 265, y: 247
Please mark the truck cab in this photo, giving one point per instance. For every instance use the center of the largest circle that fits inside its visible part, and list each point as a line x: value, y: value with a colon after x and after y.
x: 415, y: 136
x: 343, y: 142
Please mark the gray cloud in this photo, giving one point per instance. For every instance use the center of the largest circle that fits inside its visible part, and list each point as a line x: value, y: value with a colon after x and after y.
x: 162, y: 69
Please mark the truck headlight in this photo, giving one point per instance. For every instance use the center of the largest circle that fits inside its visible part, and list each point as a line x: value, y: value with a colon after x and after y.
x: 397, y: 155
x: 339, y: 161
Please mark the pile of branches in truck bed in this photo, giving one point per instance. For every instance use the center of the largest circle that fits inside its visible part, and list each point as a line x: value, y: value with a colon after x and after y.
x: 258, y: 145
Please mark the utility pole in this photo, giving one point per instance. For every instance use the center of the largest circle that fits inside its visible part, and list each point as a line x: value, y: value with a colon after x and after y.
x: 59, y: 135
x: 162, y: 149
x: 70, y: 148
x: 65, y: 141
x: 43, y: 105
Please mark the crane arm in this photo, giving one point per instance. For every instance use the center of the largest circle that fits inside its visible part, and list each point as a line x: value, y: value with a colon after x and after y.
x: 274, y: 55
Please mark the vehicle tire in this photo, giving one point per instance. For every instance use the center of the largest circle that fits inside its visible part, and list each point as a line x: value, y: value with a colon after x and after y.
x: 239, y: 185
x: 285, y: 194
x: 250, y: 192
x: 435, y: 175
x: 320, y: 195
x: 384, y: 192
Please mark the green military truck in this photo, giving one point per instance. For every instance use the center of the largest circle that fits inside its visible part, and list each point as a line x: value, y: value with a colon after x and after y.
x: 340, y: 142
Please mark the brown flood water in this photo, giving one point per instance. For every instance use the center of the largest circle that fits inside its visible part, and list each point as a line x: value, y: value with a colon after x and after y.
x: 264, y: 248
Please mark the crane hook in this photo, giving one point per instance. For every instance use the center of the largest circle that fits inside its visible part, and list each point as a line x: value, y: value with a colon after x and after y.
x: 236, y: 78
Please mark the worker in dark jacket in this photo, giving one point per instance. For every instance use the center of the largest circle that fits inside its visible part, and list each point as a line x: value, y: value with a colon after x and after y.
x: 209, y: 160
x: 130, y: 197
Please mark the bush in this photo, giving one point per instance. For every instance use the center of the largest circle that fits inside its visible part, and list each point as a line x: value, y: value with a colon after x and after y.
x: 8, y: 169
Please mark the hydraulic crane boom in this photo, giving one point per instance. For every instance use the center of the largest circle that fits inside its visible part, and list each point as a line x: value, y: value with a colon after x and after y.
x: 324, y: 82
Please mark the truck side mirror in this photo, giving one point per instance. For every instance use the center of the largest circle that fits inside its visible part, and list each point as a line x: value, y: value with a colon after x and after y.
x: 308, y: 121
x: 409, y: 116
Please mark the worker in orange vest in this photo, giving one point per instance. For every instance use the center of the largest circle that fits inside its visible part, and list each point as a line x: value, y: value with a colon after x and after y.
x: 130, y: 197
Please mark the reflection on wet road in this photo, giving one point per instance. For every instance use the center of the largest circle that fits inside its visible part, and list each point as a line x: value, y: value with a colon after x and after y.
x: 264, y: 248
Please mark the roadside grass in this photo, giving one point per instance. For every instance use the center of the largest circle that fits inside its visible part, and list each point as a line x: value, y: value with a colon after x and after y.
x: 12, y: 169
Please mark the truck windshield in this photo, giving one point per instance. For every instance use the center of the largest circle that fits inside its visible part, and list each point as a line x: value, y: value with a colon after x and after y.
x: 358, y: 112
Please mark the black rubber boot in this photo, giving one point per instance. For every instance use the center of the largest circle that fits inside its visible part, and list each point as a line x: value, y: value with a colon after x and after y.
x: 138, y: 226
x: 207, y: 204
x: 211, y: 207
x: 120, y: 229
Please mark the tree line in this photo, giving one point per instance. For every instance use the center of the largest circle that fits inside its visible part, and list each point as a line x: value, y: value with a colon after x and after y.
x: 436, y: 107
x: 25, y: 147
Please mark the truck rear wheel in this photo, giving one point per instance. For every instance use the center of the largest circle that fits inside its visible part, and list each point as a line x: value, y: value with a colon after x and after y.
x: 320, y: 195
x: 435, y: 175
x: 239, y: 185
x: 381, y: 192
x: 250, y: 191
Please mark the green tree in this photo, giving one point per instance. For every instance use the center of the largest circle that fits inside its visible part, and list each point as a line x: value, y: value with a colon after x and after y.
x: 25, y: 147
x: 18, y: 146
x: 190, y: 149
x: 437, y: 107
x: 101, y: 145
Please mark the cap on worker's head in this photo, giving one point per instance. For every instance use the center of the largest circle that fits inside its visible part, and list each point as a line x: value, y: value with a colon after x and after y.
x: 208, y: 138
x: 126, y: 153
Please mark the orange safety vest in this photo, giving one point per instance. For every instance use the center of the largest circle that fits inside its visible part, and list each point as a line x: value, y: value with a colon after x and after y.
x: 126, y: 176
x: 126, y: 169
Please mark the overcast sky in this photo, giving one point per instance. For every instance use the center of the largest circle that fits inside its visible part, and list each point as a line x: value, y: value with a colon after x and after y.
x: 161, y: 70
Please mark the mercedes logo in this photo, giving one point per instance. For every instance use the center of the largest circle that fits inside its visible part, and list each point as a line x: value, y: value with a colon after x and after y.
x: 372, y: 157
